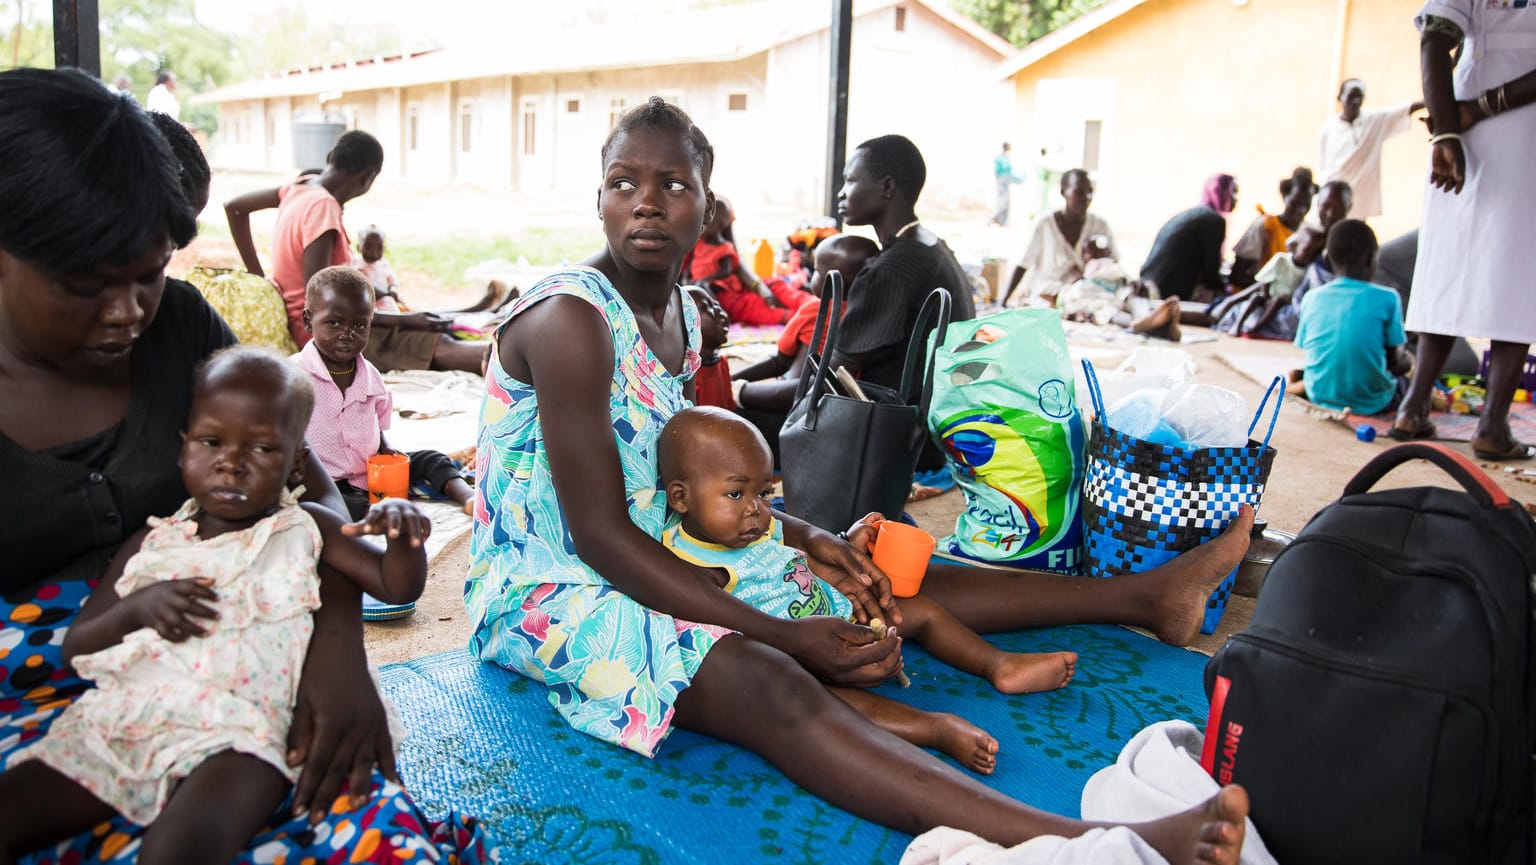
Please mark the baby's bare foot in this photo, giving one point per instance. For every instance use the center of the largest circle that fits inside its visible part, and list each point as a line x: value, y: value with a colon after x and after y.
x: 1210, y: 833
x: 970, y: 745
x: 1192, y: 577
x: 1026, y: 673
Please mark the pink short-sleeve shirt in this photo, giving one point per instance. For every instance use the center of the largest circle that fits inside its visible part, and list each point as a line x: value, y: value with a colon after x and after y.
x: 305, y: 211
x: 346, y: 427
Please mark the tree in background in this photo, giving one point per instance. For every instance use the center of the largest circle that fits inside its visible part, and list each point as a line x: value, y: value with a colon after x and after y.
x: 26, y: 39
x: 1024, y: 21
x: 287, y: 36
x: 141, y: 37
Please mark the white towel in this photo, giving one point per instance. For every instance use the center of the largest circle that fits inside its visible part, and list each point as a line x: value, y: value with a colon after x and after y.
x: 1117, y: 846
x: 1157, y: 774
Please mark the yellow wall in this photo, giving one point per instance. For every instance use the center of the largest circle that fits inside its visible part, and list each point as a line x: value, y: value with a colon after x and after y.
x: 1201, y: 86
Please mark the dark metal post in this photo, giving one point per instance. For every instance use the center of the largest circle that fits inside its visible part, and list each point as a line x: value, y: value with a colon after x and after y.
x: 837, y: 117
x: 77, y: 35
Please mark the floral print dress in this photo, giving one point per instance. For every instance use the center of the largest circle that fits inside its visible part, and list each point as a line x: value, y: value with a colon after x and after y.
x: 37, y: 692
x: 614, y: 668
x: 161, y: 709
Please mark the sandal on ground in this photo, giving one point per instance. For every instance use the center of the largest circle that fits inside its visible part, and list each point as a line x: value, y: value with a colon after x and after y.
x: 1516, y: 451
x: 1426, y: 430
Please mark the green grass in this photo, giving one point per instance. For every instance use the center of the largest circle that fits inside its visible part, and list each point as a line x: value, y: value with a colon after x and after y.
x: 447, y: 260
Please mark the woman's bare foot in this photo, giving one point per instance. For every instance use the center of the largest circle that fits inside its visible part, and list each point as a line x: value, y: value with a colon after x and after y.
x: 1028, y: 672
x: 1192, y: 577
x: 1210, y: 833
x: 971, y: 746
x: 495, y: 292
x: 1162, y: 322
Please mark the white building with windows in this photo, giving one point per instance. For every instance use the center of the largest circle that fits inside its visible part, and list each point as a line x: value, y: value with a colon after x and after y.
x: 532, y: 114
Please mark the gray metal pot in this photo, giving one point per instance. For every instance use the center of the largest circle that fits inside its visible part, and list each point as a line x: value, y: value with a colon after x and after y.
x: 1264, y: 544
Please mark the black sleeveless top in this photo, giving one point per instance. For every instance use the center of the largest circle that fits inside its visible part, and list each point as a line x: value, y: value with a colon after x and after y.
x: 65, y: 510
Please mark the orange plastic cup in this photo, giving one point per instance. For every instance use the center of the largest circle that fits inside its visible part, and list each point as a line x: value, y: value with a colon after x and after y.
x: 902, y: 551
x: 389, y: 477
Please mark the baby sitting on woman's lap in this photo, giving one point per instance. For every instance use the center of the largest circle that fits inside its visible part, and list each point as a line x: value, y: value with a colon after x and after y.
x: 1106, y: 294
x: 717, y: 473
x: 197, y: 634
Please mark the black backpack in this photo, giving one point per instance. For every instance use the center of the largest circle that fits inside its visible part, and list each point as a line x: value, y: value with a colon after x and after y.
x: 1380, y: 707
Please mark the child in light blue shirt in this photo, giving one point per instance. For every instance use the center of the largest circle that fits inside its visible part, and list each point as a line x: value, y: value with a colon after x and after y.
x: 1352, y: 330
x: 717, y: 474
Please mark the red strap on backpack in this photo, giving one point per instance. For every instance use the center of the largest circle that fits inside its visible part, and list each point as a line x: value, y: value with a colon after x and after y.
x: 1473, y: 479
x: 1213, y: 724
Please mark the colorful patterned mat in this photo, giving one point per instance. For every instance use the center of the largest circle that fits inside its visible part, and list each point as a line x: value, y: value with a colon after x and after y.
x: 486, y: 741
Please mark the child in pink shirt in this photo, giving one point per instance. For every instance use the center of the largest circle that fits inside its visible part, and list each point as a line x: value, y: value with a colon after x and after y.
x: 352, y: 405
x: 386, y: 290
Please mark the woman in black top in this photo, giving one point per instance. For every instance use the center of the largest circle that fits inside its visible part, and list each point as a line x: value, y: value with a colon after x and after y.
x: 881, y: 183
x: 1185, y: 261
x: 97, y: 354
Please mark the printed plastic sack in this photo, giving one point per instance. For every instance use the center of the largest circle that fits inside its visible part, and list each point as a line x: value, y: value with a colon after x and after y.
x: 1005, y: 412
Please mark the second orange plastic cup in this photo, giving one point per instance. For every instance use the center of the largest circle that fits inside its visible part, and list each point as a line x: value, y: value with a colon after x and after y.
x: 902, y: 551
x: 389, y: 477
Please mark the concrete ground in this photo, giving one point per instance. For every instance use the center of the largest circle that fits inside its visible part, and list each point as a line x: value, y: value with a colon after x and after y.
x: 1314, y: 457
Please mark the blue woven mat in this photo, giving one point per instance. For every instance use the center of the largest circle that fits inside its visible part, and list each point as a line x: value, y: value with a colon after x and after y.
x: 486, y: 741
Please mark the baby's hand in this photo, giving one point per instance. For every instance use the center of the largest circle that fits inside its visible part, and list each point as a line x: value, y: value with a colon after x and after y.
x: 172, y: 607
x: 396, y: 519
x: 862, y: 533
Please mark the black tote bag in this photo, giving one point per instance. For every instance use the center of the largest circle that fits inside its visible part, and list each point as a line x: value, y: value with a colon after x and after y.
x: 843, y: 457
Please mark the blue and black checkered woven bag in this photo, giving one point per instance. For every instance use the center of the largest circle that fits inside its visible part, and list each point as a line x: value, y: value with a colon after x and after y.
x: 1144, y: 502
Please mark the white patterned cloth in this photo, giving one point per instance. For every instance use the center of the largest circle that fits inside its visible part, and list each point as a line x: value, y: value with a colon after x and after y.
x: 160, y: 709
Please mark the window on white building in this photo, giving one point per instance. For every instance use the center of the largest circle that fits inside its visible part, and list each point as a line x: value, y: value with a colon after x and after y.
x: 530, y: 126
x: 615, y: 111
x: 573, y: 106
x: 466, y: 127
x: 1093, y: 130
x: 901, y: 19
x: 737, y: 102
x: 412, y: 128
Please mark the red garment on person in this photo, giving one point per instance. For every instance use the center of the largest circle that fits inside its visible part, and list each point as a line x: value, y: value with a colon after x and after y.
x: 800, y: 328
x: 712, y: 384
x: 745, y: 307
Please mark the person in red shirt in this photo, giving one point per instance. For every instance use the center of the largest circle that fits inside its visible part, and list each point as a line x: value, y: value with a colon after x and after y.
x: 715, y: 264
x: 712, y: 383
x: 845, y: 253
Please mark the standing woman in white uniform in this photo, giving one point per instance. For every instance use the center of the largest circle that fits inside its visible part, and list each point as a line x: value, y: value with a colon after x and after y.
x: 1475, y: 266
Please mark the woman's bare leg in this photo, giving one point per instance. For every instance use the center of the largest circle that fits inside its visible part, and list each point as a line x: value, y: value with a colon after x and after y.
x: 971, y: 746
x: 927, y: 623
x: 1506, y: 363
x: 1413, y: 414
x: 1168, y: 600
x: 820, y: 743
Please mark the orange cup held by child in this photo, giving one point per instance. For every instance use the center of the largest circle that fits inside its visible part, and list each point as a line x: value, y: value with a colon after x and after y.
x: 389, y: 477
x: 902, y: 551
